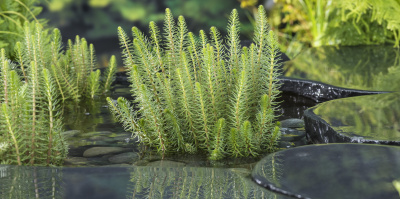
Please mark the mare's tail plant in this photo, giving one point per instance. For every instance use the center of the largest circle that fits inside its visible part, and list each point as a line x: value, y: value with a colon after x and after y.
x: 30, y: 117
x: 202, y: 94
x: 33, y: 92
x: 13, y: 14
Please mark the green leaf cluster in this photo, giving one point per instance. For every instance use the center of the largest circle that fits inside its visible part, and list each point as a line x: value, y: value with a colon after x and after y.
x: 30, y: 116
x: 345, y: 22
x: 74, y: 70
x: 13, y: 15
x: 201, y: 94
x: 34, y: 89
x: 370, y: 22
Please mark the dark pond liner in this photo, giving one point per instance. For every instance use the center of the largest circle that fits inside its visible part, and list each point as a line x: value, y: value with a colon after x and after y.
x: 319, y: 131
x: 331, y: 171
x: 320, y: 92
x: 334, y: 130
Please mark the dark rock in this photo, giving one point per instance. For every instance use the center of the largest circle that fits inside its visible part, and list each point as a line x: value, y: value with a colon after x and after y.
x: 99, y: 160
x: 364, y: 119
x: 318, y: 91
x: 331, y: 171
x: 293, y: 106
x: 285, y: 144
x: 292, y: 123
x: 291, y: 135
x: 101, y: 151
x: 128, y: 157
x: 75, y: 161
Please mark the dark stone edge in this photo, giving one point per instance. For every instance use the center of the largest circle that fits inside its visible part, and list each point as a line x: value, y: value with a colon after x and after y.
x: 319, y: 131
x: 320, y: 92
x: 262, y: 182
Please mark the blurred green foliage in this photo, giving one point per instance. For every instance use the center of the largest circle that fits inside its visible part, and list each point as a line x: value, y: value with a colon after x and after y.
x: 298, y: 23
x: 396, y: 184
x: 208, y: 13
x: 13, y: 14
x: 370, y: 67
x: 327, y: 22
x: 103, y: 16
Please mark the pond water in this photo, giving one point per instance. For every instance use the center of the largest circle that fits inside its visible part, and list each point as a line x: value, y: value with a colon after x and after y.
x: 128, y: 182
x: 105, y: 162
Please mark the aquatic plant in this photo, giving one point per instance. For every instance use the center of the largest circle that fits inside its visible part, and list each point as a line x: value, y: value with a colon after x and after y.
x: 201, y: 94
x: 35, y: 88
x: 30, y: 116
x: 13, y: 15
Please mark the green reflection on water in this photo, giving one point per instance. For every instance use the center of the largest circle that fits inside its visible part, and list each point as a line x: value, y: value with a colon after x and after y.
x: 373, y: 117
x: 128, y: 182
x: 373, y: 68
x: 85, y: 116
x: 30, y: 182
x: 190, y: 182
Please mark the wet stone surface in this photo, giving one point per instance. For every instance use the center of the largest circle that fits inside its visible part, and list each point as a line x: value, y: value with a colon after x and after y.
x: 291, y: 135
x: 128, y: 158
x: 362, y: 119
x: 75, y: 161
x: 332, y: 171
x: 101, y: 151
x: 292, y: 123
x: 94, y: 144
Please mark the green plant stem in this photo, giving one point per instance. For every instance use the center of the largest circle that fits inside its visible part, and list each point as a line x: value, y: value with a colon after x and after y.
x: 29, y: 10
x: 12, y: 133
x: 203, y: 114
x: 187, y: 107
